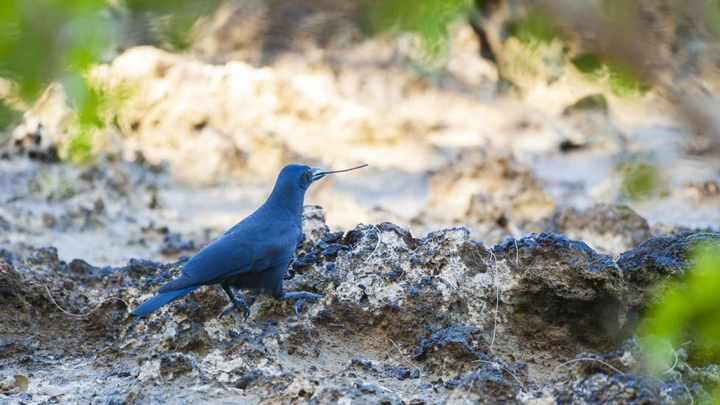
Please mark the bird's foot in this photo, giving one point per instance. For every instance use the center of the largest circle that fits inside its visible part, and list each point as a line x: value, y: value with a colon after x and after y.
x: 301, y: 297
x: 238, y: 303
x: 298, y: 306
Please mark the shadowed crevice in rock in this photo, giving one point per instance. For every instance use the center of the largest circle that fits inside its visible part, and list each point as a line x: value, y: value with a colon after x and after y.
x: 567, y: 284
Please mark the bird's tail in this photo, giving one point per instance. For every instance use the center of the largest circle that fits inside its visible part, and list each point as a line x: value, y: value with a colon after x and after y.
x: 159, y: 300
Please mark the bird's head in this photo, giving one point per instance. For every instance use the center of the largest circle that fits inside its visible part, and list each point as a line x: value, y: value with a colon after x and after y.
x: 295, y: 177
x: 301, y: 177
x: 292, y: 183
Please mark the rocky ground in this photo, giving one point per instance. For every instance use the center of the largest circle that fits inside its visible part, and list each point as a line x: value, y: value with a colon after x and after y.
x: 540, y: 319
x: 404, y: 319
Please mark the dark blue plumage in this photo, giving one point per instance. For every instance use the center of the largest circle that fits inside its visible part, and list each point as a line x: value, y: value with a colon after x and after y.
x: 253, y: 254
x: 154, y: 303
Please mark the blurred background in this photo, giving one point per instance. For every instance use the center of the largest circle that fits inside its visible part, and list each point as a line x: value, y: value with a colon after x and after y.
x: 144, y: 128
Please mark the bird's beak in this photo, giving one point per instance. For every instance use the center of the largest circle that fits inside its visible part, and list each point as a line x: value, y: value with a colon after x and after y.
x: 318, y: 173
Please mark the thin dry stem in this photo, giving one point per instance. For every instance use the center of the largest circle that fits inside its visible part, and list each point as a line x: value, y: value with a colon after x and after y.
x: 379, y: 237
x: 586, y: 359
x: 411, y: 365
x: 87, y: 313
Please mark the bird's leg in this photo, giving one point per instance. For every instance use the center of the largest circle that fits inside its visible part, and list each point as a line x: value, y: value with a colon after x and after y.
x: 300, y: 296
x: 236, y: 303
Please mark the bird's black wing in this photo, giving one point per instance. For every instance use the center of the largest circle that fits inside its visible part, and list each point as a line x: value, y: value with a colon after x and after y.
x: 229, y: 256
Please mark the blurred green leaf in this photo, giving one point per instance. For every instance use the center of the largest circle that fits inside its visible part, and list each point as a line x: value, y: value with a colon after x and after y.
x: 8, y: 115
x: 42, y: 39
x: 625, y: 80
x: 640, y: 178
x: 80, y: 147
x: 429, y: 20
x: 175, y: 20
x: 534, y: 28
x: 46, y: 40
x: 711, y: 15
x: 587, y: 63
x: 83, y: 98
x: 95, y: 108
x: 688, y: 311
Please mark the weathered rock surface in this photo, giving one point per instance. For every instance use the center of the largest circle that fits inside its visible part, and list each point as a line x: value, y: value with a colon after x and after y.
x: 658, y: 258
x: 10, y: 280
x: 440, y: 318
x: 611, y: 229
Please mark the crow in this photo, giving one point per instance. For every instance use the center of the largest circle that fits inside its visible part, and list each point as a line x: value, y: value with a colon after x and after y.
x: 254, y: 254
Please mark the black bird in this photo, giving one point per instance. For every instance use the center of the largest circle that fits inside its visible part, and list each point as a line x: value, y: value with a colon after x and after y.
x: 254, y: 254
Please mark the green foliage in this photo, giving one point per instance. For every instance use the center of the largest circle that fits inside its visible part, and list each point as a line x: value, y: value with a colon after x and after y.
x: 42, y: 41
x: 687, y: 315
x: 625, y: 81
x: 99, y: 107
x: 8, y: 115
x: 640, y: 178
x: 429, y: 20
x: 534, y: 28
x: 587, y: 63
x: 80, y: 146
x: 539, y: 33
x: 711, y: 15
x: 622, y: 79
x: 46, y: 40
x: 175, y: 19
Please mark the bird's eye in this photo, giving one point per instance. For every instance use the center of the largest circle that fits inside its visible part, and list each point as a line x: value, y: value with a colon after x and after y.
x: 306, y: 178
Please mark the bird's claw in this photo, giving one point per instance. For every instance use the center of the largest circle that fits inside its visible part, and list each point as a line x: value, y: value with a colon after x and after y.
x: 298, y: 306
x: 301, y: 297
x: 238, y: 304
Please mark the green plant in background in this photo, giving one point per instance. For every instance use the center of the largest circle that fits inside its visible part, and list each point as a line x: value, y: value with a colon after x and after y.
x: 533, y: 51
x: 640, y: 178
x: 545, y: 54
x: 687, y: 315
x: 622, y: 79
x: 532, y: 29
x: 429, y: 20
x: 100, y: 108
x: 711, y: 15
x: 46, y: 40
x: 42, y: 41
x: 175, y: 21
x: 8, y: 114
